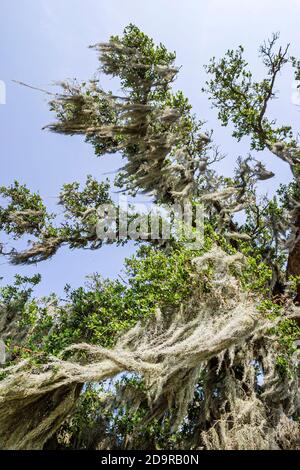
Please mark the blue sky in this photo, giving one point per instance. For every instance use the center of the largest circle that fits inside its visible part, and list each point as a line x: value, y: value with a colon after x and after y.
x: 42, y: 41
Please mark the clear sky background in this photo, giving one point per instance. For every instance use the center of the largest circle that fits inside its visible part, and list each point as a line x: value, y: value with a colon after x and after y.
x: 42, y: 41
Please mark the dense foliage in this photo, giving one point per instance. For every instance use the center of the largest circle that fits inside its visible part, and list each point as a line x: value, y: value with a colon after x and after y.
x: 191, y: 348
